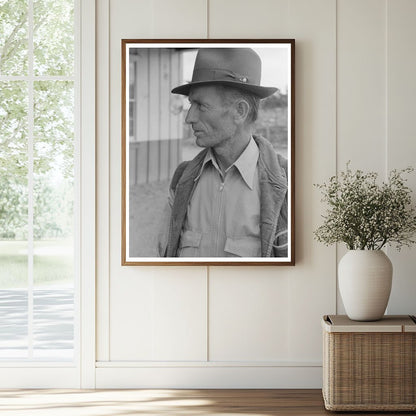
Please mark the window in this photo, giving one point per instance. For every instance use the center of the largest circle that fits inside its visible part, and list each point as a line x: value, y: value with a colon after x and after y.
x: 132, y: 99
x: 38, y: 185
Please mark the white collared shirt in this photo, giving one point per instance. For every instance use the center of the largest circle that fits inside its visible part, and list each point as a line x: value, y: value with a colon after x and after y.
x: 223, y: 216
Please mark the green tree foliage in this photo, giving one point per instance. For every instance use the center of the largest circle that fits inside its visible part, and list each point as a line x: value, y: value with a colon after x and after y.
x: 13, y: 37
x: 13, y: 208
x: 13, y: 129
x: 53, y: 118
x: 53, y: 209
x: 53, y: 37
x: 13, y: 158
x: 54, y: 127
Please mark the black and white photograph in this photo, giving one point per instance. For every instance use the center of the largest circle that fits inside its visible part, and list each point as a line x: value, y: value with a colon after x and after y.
x: 208, y: 152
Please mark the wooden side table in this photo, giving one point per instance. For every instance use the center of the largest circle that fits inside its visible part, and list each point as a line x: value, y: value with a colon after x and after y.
x: 369, y: 366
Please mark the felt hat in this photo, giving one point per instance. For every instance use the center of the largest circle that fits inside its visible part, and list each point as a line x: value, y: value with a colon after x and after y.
x: 235, y: 67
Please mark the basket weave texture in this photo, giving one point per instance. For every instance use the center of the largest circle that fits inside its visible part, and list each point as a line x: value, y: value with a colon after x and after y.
x: 369, y: 371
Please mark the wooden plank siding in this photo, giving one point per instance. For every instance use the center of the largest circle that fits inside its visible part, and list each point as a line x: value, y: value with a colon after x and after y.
x: 155, y: 146
x: 176, y: 123
x: 165, y: 113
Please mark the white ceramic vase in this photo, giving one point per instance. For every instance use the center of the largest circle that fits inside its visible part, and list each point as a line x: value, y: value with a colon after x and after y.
x: 364, y: 278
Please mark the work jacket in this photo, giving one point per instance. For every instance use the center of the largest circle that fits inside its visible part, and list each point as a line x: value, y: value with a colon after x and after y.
x: 272, y: 170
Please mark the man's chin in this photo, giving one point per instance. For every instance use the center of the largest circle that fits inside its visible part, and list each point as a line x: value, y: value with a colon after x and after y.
x: 200, y: 142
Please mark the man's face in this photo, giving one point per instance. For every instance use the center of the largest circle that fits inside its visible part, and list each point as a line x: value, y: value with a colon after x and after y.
x: 210, y: 118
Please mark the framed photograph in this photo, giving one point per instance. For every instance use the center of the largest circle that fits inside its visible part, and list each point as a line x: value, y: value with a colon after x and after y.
x: 208, y: 152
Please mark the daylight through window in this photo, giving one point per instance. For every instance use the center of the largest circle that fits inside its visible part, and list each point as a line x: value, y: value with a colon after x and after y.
x: 37, y: 180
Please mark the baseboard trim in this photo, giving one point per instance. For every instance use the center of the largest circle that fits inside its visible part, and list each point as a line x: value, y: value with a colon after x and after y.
x: 210, y: 377
x: 204, y: 364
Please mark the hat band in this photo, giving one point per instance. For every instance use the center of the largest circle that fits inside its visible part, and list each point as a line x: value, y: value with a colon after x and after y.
x: 202, y: 74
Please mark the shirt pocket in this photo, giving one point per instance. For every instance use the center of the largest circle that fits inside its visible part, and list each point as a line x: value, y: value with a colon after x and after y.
x: 243, y: 247
x: 189, y: 244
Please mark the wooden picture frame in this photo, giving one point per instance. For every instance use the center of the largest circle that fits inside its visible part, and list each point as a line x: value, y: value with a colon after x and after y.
x: 155, y: 139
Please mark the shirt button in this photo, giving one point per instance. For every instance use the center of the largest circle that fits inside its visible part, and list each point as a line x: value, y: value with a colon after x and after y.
x: 221, y: 187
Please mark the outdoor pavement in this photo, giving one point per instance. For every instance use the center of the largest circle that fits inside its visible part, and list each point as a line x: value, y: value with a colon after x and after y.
x: 53, y: 323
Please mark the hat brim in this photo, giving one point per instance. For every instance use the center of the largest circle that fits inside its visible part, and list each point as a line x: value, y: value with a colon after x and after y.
x: 261, y: 92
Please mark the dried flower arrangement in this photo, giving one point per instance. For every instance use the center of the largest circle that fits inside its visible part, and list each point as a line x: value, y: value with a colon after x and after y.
x: 366, y: 215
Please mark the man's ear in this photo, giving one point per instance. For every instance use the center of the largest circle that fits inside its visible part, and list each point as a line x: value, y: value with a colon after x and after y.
x: 242, y: 109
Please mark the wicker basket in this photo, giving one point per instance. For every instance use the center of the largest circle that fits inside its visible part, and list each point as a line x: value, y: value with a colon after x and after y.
x: 369, y: 366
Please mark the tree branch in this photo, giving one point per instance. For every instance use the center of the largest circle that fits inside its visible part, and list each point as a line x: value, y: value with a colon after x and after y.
x: 6, y: 53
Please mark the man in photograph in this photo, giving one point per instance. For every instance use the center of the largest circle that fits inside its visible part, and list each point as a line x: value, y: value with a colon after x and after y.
x: 231, y: 199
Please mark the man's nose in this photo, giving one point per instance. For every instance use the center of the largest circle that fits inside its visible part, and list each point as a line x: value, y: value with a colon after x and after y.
x: 191, y: 115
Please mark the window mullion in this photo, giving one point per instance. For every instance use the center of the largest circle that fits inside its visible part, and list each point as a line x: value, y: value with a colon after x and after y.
x: 30, y: 178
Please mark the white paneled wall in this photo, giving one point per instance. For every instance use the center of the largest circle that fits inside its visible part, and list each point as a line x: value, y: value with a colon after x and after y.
x: 249, y: 19
x: 163, y: 315
x: 401, y: 132
x: 254, y: 326
x: 361, y: 88
x: 361, y: 84
x: 248, y: 314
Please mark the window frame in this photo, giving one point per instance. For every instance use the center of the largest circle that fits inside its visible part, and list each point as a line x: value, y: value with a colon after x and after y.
x: 81, y: 371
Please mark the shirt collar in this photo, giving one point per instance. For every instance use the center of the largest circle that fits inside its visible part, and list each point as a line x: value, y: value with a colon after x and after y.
x: 209, y: 157
x: 246, y: 164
